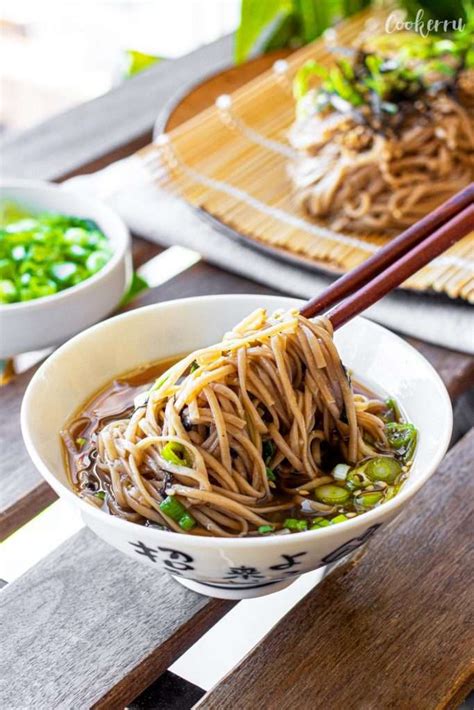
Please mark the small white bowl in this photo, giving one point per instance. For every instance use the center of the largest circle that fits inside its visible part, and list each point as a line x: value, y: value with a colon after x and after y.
x: 233, y: 568
x: 37, y: 324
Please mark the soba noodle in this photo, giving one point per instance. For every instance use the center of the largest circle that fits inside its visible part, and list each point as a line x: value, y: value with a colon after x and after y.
x: 235, y: 438
x: 395, y: 148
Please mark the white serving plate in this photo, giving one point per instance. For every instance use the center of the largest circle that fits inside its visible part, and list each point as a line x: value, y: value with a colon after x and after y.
x: 231, y: 568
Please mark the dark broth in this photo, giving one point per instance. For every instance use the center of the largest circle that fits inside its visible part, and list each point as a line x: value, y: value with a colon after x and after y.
x: 116, y: 401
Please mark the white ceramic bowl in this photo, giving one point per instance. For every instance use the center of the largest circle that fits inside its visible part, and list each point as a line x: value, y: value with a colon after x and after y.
x: 37, y: 324
x: 231, y: 567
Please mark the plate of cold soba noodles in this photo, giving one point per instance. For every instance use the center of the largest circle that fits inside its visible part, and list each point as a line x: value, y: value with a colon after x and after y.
x: 232, y: 442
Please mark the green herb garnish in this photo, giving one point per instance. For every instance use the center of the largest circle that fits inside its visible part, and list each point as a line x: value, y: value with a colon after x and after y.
x: 331, y: 494
x: 403, y: 438
x: 45, y: 253
x: 175, y: 510
x: 295, y: 524
x: 176, y: 453
x: 385, y: 77
x: 383, y: 468
x: 264, y: 529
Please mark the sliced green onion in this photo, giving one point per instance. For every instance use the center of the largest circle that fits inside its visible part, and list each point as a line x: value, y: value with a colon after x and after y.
x: 63, y: 273
x: 194, y: 366
x: 368, y: 499
x: 97, y: 260
x: 402, y: 437
x: 383, y: 468
x: 8, y: 292
x: 356, y: 478
x: 80, y: 441
x: 390, y: 492
x: 173, y: 508
x: 175, y: 453
x: 76, y: 235
x: 301, y: 83
x: 264, y: 529
x: 339, y: 519
x: 320, y: 523
x: 295, y: 524
x: 186, y: 522
x: 7, y: 270
x: 394, y: 411
x: 340, y: 471
x: 47, y: 253
x: 18, y: 253
x: 331, y: 494
x: 100, y: 494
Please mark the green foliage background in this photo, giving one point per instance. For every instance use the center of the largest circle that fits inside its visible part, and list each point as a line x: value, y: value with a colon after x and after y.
x: 269, y: 24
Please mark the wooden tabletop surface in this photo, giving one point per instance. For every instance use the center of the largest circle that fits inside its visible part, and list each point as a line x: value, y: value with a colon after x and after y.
x: 386, y: 630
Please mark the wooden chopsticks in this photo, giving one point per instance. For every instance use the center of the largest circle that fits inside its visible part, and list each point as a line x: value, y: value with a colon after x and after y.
x: 397, y: 261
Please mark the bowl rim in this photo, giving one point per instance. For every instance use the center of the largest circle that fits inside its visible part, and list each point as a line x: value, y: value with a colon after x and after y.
x: 367, y: 519
x: 120, y: 244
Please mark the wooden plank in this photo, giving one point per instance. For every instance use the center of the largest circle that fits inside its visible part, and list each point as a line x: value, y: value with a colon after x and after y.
x: 168, y: 692
x: 112, y: 125
x: 455, y: 369
x: 22, y: 491
x: 143, y: 251
x: 89, y: 627
x: 390, y: 629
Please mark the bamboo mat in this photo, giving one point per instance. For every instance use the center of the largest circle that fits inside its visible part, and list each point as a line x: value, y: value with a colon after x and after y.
x: 230, y: 161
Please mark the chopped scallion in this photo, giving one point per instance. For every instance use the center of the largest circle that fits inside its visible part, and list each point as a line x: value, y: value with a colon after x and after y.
x: 186, y: 522
x: 320, y: 523
x: 368, y: 499
x: 383, y: 468
x: 295, y: 524
x: 340, y: 471
x: 173, y: 508
x: 176, y: 453
x: 332, y: 494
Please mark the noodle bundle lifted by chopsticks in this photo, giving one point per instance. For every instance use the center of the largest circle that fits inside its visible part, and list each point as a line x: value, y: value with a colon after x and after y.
x: 235, y: 438
x: 388, y: 134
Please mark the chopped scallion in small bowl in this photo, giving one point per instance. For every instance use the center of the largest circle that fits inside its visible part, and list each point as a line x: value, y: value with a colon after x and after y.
x: 45, y: 252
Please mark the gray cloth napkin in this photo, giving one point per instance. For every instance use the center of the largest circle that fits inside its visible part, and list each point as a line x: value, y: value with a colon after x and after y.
x: 156, y: 215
